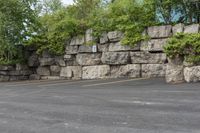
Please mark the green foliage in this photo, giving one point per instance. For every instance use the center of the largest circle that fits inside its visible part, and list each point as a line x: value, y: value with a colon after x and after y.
x: 128, y: 16
x: 184, y: 45
x: 17, y: 18
x: 178, y: 11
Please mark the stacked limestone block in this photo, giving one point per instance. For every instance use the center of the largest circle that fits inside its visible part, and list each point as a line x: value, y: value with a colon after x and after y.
x: 14, y: 72
x: 108, y: 58
x: 178, y: 70
x: 50, y: 66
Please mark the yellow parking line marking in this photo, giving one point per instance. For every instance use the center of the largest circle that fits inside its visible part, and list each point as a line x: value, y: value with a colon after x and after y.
x: 114, y: 82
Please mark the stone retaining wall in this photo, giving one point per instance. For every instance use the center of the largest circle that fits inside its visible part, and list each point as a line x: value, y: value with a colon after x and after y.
x: 108, y: 58
x: 14, y: 72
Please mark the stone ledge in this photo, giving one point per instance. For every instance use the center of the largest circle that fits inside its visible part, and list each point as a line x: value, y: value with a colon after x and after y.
x: 130, y: 70
x: 115, y: 58
x: 153, y: 70
x: 96, y: 72
x: 192, y: 74
x: 148, y: 58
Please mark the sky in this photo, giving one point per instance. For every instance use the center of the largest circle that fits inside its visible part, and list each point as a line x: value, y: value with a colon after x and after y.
x: 67, y: 2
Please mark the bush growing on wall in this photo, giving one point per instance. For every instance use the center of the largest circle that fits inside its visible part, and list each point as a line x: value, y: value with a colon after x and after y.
x: 186, y: 46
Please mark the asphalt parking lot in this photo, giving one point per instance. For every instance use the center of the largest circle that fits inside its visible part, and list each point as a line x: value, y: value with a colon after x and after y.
x: 99, y: 106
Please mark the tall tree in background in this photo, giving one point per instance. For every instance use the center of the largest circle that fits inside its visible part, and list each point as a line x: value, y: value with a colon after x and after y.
x: 17, y: 19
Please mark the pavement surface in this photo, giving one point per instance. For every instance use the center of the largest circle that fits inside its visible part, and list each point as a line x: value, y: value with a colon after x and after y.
x: 99, y: 106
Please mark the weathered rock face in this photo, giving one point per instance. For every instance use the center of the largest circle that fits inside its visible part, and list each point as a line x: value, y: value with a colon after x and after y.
x: 104, y: 38
x: 20, y: 67
x: 154, y: 45
x: 148, y: 58
x: 34, y: 77
x: 85, y: 49
x: 6, y: 68
x: 114, y: 58
x: 73, y: 72
x: 96, y: 72
x: 194, y: 28
x: 33, y: 60
x: 102, y: 47
x: 160, y: 31
x: 174, y: 74
x: 71, y: 49
x: 192, y: 74
x: 88, y: 36
x: 178, y: 28
x: 4, y: 78
x: 46, y: 61
x: 68, y: 57
x: 130, y: 70
x: 88, y: 59
x: 16, y: 78
x: 20, y: 72
x: 60, y: 61
x: 153, y: 70
x: 55, y: 70
x: 117, y: 47
x: 43, y: 71
x: 115, y: 36
x: 79, y: 40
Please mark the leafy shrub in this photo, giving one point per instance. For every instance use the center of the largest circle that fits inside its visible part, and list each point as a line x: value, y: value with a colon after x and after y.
x: 128, y: 16
x: 184, y: 45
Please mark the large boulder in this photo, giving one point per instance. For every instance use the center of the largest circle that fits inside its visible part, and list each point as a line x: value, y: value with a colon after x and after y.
x: 115, y: 36
x: 88, y: 59
x: 114, y: 58
x: 21, y: 67
x: 117, y: 47
x: 6, y: 68
x: 55, y: 70
x: 16, y: 78
x: 88, y: 36
x: 192, y: 74
x: 71, y: 49
x: 160, y: 31
x: 4, y: 72
x: 194, y: 28
x: 153, y: 70
x: 46, y: 61
x: 104, y: 38
x: 85, y: 49
x: 96, y: 72
x: 130, y: 70
x: 103, y: 47
x: 153, y: 45
x: 20, y: 72
x: 43, y: 71
x: 148, y: 58
x: 59, y: 60
x: 34, y: 77
x: 178, y: 28
x: 4, y: 78
x: 33, y: 60
x: 174, y: 74
x: 79, y: 40
x: 68, y: 57
x: 74, y: 72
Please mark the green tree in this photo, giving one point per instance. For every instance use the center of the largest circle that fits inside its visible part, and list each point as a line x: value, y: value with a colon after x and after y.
x: 17, y: 19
